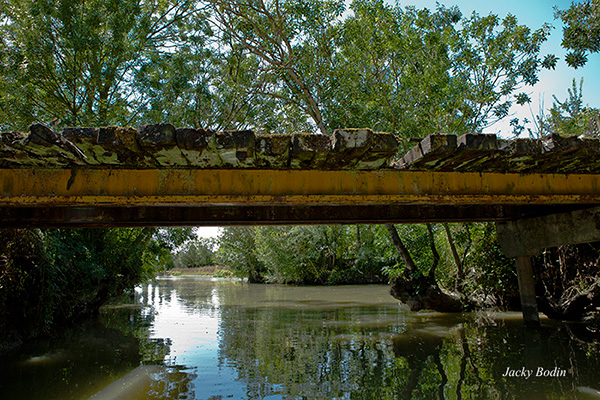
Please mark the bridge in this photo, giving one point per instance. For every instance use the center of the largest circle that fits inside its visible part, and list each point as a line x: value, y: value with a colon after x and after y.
x: 541, y: 193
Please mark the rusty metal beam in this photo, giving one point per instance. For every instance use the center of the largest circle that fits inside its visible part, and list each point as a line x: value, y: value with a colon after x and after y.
x: 148, y: 187
x: 65, y: 216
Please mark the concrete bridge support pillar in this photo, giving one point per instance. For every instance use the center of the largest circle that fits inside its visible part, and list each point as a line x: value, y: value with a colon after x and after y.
x: 527, y: 291
x: 527, y: 237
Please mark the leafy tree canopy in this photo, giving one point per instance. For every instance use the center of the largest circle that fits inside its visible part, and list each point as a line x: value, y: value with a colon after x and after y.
x: 273, y: 66
x: 581, y: 33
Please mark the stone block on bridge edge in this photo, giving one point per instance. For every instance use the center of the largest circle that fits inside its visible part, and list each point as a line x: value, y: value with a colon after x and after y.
x: 347, y: 147
x: 428, y: 152
x: 273, y: 151
x: 309, y: 151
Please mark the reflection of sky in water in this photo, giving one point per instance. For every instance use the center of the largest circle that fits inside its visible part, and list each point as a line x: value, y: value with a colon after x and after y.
x: 194, y: 336
x: 188, y: 312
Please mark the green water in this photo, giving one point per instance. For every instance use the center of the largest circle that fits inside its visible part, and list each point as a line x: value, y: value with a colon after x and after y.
x: 188, y: 338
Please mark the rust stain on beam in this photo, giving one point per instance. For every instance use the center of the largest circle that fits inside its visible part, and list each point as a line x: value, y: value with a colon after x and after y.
x: 140, y: 187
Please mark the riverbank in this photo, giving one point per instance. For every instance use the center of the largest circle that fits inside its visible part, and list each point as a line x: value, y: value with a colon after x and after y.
x: 216, y: 271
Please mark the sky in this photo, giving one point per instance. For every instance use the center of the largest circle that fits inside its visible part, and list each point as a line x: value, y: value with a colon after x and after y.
x: 207, y: 231
x: 534, y: 13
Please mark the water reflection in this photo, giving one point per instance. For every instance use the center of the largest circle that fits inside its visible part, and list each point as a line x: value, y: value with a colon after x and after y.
x: 198, y: 339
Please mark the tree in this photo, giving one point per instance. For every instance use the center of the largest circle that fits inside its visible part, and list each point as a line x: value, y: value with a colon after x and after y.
x: 417, y: 72
x: 195, y: 253
x: 211, y: 85
x: 293, y: 41
x: 325, y: 254
x: 581, y: 33
x: 74, y: 62
x: 56, y: 276
x: 493, y: 58
x: 417, y: 289
x: 571, y: 117
x: 569, y: 286
x: 392, y: 70
x: 237, y: 250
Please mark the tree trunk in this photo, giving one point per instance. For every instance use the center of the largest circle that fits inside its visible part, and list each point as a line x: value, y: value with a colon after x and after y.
x: 456, y: 257
x: 574, y: 308
x: 436, y: 255
x: 422, y: 293
x: 409, y: 264
x: 419, y: 291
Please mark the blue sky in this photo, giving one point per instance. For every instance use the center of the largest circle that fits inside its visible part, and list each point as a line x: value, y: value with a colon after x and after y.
x: 534, y: 13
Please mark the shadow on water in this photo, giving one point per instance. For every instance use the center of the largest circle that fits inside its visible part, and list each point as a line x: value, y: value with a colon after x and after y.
x: 101, y: 359
x: 197, y: 339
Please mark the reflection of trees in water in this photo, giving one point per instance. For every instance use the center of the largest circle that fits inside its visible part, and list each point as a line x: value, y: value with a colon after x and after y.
x: 193, y: 293
x: 470, y: 361
x: 305, y: 352
x: 302, y: 354
x: 362, y: 353
x: 134, y: 322
x: 172, y: 383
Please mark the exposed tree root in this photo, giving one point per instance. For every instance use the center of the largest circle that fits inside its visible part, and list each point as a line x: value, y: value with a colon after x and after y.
x: 419, y: 291
x: 424, y: 293
x: 573, y: 308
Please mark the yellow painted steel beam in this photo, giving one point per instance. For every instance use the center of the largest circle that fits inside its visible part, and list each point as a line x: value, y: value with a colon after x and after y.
x: 143, y: 187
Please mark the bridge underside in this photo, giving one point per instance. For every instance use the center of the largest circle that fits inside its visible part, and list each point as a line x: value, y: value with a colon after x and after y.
x: 223, y: 215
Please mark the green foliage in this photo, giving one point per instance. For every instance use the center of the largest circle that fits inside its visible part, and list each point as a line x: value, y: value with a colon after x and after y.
x: 492, y: 58
x: 274, y: 66
x: 365, y: 253
x: 180, y: 88
x: 571, y: 118
x: 416, y: 239
x: 374, y: 253
x: 298, y: 254
x: 308, y: 254
x: 58, y: 275
x: 581, y: 33
x: 415, y: 72
x: 346, y: 353
x: 293, y: 45
x: 223, y: 273
x: 392, y: 70
x: 163, y: 245
x: 195, y: 253
x: 568, y: 272
x: 489, y: 274
x: 237, y: 250
x: 74, y: 62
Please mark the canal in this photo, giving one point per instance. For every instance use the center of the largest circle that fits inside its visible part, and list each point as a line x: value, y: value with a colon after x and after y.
x: 195, y: 338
